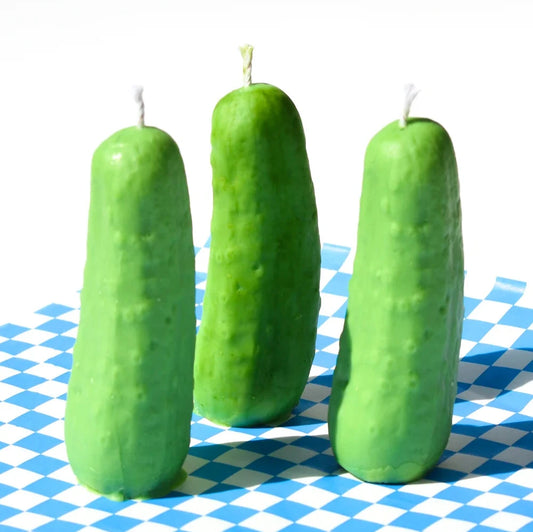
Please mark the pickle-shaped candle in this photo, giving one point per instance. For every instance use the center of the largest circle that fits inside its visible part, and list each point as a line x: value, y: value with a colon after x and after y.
x: 395, y: 382
x: 129, y: 403
x: 257, y: 337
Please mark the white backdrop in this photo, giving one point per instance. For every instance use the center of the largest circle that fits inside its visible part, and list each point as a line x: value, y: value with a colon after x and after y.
x: 67, y: 67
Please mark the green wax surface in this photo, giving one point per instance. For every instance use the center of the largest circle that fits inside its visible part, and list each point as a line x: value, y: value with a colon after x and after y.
x: 129, y: 403
x: 395, y: 382
x: 256, y: 341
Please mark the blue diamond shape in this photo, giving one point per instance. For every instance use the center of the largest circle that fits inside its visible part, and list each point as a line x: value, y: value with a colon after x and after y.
x: 346, y: 506
x: 473, y: 514
x: 357, y: 525
x: 261, y: 446
x: 400, y: 499
x: 24, y: 380
x: 496, y: 468
x: 57, y: 326
x: 415, y: 521
x: 63, y: 360
x: 203, y: 432
x: 521, y: 508
x: 323, y: 462
x: 338, y: 284
x: 59, y: 526
x: 48, y: 486
x: 174, y: 518
x: 209, y: 451
x: 216, y: 471
x: 313, y: 443
x: 507, y: 290
x: 61, y: 343
x: 38, y: 442
x: 496, y: 377
x: 465, y: 408
x: 199, y: 295
x: 518, y: 317
x: 484, y: 448
x: 20, y: 364
x: 6, y: 512
x: 28, y: 399
x: 290, y: 510
x: 63, y: 378
x: 458, y: 493
x: 333, y: 257
x: 474, y: 330
x: 334, y: 484
x: 524, y: 341
x: 9, y: 330
x: 14, y: 347
x: 33, y: 421
x: 108, y: 505
x: 225, y: 492
x: 440, y: 474
x: 280, y: 487
x: 323, y: 342
x: 325, y: 360
x: 270, y: 465
x: 43, y: 464
x: 53, y: 508
x: 508, y: 488
x: 485, y: 354
x: 117, y: 523
x: 5, y: 490
x: 54, y: 310
x: 511, y: 400
x: 470, y: 304
x: 233, y: 514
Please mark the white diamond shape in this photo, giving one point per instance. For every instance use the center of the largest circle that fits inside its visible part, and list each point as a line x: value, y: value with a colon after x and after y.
x: 22, y: 500
x: 312, y: 496
x: 436, y: 507
x: 502, y: 335
x: 14, y: 455
x: 257, y: 500
x: 265, y: 522
x: 493, y: 501
x: 380, y: 513
x: 199, y: 505
x: 322, y: 520
x: 507, y: 521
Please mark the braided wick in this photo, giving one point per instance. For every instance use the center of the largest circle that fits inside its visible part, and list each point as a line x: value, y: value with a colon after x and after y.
x: 247, y: 51
x: 410, y: 94
x: 138, y: 97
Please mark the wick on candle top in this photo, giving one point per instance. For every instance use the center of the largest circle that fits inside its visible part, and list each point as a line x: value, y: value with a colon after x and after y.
x: 410, y: 94
x: 247, y: 51
x: 138, y: 97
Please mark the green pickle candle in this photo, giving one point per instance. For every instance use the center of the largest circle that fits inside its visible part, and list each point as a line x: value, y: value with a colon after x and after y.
x: 129, y: 402
x: 395, y: 382
x: 256, y: 341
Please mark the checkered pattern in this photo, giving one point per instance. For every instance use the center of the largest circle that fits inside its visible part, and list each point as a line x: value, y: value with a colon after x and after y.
x: 285, y: 477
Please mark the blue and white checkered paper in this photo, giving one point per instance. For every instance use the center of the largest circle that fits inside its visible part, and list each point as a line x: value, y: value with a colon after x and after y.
x: 285, y: 477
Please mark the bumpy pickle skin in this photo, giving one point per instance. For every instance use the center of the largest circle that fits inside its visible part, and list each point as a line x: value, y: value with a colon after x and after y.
x: 129, y: 403
x: 257, y: 337
x: 395, y: 382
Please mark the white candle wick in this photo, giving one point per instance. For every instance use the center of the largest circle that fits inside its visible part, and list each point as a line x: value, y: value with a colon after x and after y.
x: 410, y: 94
x: 247, y: 51
x: 138, y: 97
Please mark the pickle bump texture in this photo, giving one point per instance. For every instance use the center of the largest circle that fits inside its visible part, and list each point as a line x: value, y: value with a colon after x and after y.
x: 129, y: 403
x: 395, y: 382
x: 257, y: 337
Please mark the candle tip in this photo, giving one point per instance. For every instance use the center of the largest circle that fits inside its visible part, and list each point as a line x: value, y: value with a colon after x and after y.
x: 138, y: 98
x: 410, y: 94
x: 247, y: 51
